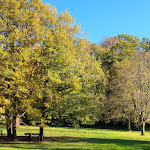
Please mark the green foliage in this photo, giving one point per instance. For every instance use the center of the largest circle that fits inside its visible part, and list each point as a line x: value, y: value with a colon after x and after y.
x: 49, y: 71
x: 83, y: 104
x: 46, y: 68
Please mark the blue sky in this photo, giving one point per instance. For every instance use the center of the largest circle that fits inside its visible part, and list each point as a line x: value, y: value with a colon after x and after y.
x: 102, y: 18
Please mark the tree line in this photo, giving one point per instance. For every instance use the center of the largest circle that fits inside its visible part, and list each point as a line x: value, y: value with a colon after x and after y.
x: 49, y: 71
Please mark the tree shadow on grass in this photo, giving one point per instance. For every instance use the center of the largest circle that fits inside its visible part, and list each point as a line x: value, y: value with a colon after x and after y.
x: 95, y: 143
x: 135, y: 144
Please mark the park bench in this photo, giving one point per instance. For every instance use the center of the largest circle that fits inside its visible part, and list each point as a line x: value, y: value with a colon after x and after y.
x: 30, y: 135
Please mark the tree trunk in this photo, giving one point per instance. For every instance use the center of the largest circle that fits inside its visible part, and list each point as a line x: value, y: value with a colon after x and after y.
x: 143, y: 128
x: 41, y: 134
x: 14, y: 128
x: 8, y: 124
x: 9, y: 135
x: 18, y: 121
x: 129, y: 124
x: 14, y: 117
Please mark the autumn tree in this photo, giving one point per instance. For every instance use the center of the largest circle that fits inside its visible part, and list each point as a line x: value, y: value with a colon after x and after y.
x: 141, y: 84
x: 145, y: 44
x: 112, y: 52
x: 38, y: 57
x: 23, y: 29
x: 137, y: 43
x: 132, y: 89
x: 52, y: 75
x: 14, y: 92
x: 119, y: 106
x: 84, y: 104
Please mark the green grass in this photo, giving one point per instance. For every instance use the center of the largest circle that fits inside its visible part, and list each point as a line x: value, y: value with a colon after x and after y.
x: 80, y: 139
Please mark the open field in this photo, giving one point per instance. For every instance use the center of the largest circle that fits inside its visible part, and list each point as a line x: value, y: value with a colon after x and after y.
x: 79, y: 139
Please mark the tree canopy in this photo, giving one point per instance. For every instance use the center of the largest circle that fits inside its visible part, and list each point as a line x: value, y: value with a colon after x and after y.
x: 46, y: 67
x: 53, y: 74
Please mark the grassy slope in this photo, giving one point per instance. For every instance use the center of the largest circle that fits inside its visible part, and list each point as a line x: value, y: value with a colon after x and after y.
x: 80, y: 139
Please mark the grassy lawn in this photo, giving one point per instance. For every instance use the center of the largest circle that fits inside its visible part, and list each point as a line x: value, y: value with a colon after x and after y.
x: 79, y: 139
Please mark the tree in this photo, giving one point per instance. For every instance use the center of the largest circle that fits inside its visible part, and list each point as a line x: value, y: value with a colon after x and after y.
x: 145, y: 44
x: 142, y: 88
x: 134, y: 40
x: 37, y: 59
x: 52, y: 74
x: 113, y: 52
x: 84, y: 104
x: 132, y: 89
x: 23, y: 29
x: 14, y: 88
x: 119, y: 106
x: 137, y: 43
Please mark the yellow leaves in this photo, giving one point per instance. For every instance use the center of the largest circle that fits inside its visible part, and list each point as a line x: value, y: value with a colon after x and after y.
x: 43, y: 63
x: 2, y: 52
x: 76, y: 83
x: 4, y: 102
x: 138, y: 92
x: 22, y: 89
x: 54, y: 77
x: 26, y: 54
x: 49, y: 117
x: 2, y: 110
x: 39, y: 94
x: 87, y: 119
x: 48, y: 102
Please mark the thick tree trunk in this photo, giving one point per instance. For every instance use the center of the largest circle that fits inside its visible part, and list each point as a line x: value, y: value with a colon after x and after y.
x: 41, y: 134
x: 8, y: 123
x: 9, y: 135
x: 143, y: 128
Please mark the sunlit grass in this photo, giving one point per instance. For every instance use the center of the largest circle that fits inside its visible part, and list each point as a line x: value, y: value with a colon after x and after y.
x: 80, y: 138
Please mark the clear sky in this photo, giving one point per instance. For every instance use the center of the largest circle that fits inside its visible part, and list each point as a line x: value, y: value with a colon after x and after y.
x: 102, y: 18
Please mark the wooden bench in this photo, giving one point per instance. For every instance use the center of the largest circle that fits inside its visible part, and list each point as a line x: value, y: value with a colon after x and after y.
x: 30, y: 135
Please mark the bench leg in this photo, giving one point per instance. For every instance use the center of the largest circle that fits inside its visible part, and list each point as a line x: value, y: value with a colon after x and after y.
x: 29, y: 137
